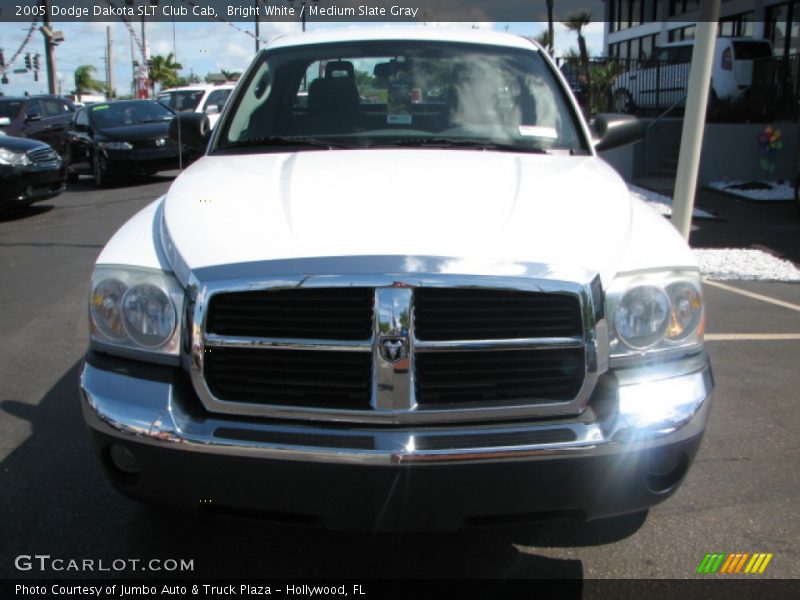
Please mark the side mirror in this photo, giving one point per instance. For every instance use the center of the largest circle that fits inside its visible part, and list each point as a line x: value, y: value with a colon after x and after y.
x: 613, y: 131
x: 81, y: 127
x: 190, y: 129
x: 212, y: 109
x: 5, y: 121
x: 33, y: 117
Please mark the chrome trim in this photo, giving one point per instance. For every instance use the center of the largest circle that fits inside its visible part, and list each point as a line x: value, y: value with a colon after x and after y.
x: 405, y: 411
x: 157, y: 413
x: 516, y: 344
x: 223, y: 341
x: 392, y: 385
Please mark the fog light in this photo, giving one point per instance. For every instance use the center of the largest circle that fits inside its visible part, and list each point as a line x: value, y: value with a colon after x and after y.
x: 666, y: 470
x: 124, y: 460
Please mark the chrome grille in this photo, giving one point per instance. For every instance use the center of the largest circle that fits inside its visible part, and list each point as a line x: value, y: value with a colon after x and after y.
x: 42, y: 156
x: 377, y: 349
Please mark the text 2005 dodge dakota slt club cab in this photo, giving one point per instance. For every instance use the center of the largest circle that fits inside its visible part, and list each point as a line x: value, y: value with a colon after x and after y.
x: 399, y: 290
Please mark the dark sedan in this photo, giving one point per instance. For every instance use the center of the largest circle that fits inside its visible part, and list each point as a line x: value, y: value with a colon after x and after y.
x: 116, y: 139
x: 30, y: 171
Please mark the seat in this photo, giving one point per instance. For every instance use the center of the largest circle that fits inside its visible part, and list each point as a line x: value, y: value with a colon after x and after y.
x: 333, y: 100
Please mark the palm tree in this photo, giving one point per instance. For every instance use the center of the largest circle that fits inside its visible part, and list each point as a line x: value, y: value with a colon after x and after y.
x: 551, y: 34
x: 164, y: 71
x: 85, y: 81
x: 576, y: 22
x: 543, y: 39
x: 231, y: 75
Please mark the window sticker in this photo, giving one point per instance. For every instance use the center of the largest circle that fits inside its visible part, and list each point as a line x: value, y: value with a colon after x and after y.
x: 398, y: 105
x: 537, y: 131
x: 100, y: 107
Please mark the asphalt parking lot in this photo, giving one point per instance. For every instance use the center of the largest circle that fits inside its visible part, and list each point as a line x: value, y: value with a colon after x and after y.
x: 742, y: 495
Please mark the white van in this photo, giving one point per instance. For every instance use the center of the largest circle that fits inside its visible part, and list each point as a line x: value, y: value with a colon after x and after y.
x: 661, y: 81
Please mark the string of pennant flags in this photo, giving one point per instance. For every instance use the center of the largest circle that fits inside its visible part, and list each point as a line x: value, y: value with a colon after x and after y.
x: 8, y: 64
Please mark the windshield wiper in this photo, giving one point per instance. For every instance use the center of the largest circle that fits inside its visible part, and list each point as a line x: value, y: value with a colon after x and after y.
x: 290, y: 141
x: 444, y: 142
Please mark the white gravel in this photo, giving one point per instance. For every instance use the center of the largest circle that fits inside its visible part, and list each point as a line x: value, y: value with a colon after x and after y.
x: 725, y: 264
x: 661, y: 203
x: 778, y: 190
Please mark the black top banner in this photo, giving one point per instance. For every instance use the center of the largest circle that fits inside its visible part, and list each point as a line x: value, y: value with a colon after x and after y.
x: 295, y: 10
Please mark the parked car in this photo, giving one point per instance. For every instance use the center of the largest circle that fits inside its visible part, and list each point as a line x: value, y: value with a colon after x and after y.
x: 662, y: 80
x: 30, y: 171
x: 38, y: 117
x: 111, y: 140
x: 200, y: 98
x: 398, y: 314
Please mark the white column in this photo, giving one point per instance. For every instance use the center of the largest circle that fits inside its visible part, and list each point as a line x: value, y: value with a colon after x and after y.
x: 695, y: 116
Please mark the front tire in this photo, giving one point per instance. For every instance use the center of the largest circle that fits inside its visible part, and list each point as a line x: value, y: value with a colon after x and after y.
x: 100, y: 170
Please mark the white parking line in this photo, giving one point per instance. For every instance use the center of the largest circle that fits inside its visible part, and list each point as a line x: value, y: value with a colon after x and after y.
x: 753, y: 295
x: 747, y: 337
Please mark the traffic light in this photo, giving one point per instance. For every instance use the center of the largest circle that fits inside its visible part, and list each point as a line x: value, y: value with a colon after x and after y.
x: 36, y: 62
x: 36, y: 75
x: 28, y: 61
x: 2, y: 59
x: 5, y: 79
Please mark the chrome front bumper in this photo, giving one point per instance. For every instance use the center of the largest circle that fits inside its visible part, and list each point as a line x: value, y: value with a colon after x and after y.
x: 631, y: 410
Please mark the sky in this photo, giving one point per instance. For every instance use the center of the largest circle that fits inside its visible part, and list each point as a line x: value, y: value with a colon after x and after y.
x: 200, y: 47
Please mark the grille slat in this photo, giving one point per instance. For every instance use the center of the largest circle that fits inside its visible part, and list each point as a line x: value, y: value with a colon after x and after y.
x: 326, y: 313
x: 43, y: 155
x: 336, y: 380
x: 511, y: 376
x: 442, y: 314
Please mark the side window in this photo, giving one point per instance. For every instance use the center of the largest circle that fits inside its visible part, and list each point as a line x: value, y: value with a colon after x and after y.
x: 53, y: 108
x: 217, y: 98
x: 33, y: 108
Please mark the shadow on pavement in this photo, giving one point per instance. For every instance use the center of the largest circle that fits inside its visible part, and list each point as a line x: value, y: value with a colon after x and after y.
x: 57, y: 501
x: 8, y: 215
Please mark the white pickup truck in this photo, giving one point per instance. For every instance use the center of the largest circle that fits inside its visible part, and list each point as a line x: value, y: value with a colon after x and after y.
x: 416, y: 299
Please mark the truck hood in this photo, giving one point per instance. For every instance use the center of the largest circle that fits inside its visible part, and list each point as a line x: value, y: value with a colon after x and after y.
x: 483, y: 208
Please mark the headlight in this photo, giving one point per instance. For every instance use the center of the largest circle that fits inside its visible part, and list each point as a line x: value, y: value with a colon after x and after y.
x: 133, y: 309
x: 9, y: 157
x: 115, y: 145
x: 654, y: 312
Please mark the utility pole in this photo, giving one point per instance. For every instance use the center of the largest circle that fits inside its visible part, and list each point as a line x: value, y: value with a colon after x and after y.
x: 109, y: 64
x: 255, y: 3
x: 49, y: 54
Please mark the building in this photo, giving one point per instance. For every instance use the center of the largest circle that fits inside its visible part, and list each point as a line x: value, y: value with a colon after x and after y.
x: 634, y: 27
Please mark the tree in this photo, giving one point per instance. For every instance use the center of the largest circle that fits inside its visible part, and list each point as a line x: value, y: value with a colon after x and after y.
x: 231, y: 75
x: 543, y: 39
x: 85, y: 81
x: 164, y: 71
x: 551, y: 33
x: 576, y: 22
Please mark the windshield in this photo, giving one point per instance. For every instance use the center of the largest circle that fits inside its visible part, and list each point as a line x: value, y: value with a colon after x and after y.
x: 378, y: 94
x: 122, y: 114
x: 10, y: 108
x: 183, y: 101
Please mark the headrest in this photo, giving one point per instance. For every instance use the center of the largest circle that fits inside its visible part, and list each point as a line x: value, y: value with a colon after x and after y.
x: 335, y: 68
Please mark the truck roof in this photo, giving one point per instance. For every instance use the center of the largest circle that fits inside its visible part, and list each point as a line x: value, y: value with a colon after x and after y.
x: 408, y: 33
